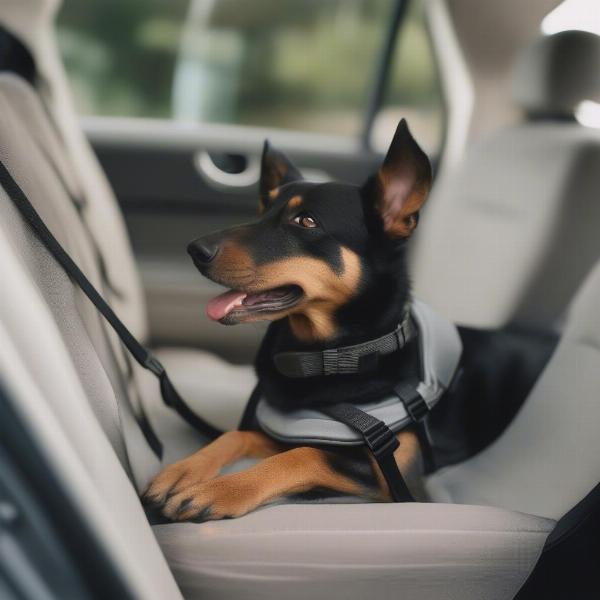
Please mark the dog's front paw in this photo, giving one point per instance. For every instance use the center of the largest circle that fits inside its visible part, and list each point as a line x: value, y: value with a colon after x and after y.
x: 178, y: 476
x: 224, y: 497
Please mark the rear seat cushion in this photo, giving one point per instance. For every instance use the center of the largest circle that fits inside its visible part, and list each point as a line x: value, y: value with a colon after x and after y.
x: 408, y: 551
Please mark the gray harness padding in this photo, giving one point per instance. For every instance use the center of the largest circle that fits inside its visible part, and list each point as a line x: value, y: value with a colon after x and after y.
x: 440, y: 349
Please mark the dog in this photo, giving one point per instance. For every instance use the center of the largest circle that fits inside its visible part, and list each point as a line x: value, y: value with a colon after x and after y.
x: 326, y: 264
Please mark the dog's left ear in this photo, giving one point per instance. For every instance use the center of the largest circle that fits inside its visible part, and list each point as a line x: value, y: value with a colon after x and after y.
x: 276, y: 170
x: 402, y: 184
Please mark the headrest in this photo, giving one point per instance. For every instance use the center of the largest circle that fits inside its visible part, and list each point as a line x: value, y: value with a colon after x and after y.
x: 555, y: 73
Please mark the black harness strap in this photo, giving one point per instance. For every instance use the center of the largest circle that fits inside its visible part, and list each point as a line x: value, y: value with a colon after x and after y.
x: 141, y: 354
x: 381, y: 442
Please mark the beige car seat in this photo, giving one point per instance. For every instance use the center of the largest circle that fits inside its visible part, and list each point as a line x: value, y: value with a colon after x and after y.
x: 59, y: 369
x: 63, y: 371
x: 509, y: 234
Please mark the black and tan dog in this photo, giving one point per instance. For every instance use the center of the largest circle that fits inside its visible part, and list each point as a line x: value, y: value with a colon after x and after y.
x: 326, y: 263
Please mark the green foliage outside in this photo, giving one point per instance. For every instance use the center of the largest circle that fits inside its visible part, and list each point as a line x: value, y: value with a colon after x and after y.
x: 301, y: 64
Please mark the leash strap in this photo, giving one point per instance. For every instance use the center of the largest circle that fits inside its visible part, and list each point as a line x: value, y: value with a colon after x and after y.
x: 142, y: 355
x: 358, y: 358
x: 380, y: 440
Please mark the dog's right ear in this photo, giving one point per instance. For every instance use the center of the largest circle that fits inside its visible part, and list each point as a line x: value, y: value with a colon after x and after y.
x: 276, y: 170
x: 401, y: 185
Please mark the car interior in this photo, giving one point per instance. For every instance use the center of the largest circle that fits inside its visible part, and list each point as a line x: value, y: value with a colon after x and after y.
x: 507, y: 248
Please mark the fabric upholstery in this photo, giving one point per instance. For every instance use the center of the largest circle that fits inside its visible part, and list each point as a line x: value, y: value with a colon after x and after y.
x: 49, y: 367
x: 347, y: 552
x: 549, y: 457
x: 510, y: 234
x: 32, y: 21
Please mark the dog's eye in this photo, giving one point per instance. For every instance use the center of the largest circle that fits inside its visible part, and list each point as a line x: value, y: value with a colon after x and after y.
x: 305, y: 220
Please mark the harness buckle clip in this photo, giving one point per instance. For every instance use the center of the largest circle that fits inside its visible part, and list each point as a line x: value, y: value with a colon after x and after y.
x: 381, y: 440
x: 414, y: 403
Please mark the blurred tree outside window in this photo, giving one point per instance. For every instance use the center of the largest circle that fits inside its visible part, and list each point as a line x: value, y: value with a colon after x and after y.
x: 295, y: 64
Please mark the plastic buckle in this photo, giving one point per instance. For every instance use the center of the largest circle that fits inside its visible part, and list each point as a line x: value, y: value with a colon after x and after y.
x: 417, y: 408
x: 414, y: 403
x: 381, y: 440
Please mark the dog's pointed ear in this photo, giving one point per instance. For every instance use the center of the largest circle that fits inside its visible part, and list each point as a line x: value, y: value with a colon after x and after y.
x: 402, y: 184
x: 276, y: 170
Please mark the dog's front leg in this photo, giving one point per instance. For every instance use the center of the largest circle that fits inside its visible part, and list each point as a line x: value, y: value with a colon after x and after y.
x: 207, y: 462
x: 291, y: 472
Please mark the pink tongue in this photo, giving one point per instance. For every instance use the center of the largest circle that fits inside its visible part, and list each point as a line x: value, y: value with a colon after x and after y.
x: 222, y: 305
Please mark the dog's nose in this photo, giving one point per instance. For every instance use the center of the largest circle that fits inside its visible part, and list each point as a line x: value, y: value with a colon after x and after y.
x: 202, y: 251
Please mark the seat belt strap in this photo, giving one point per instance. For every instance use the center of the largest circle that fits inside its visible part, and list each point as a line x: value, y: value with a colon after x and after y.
x: 141, y: 354
x: 137, y: 409
x: 380, y: 440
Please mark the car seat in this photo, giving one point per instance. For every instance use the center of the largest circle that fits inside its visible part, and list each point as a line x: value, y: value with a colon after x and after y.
x: 508, y: 235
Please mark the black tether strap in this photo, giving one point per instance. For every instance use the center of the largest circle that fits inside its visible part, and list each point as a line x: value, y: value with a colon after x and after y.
x: 381, y: 441
x: 358, y: 358
x: 142, y: 355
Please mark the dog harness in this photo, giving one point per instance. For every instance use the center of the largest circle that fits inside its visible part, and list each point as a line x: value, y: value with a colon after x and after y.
x: 374, y: 424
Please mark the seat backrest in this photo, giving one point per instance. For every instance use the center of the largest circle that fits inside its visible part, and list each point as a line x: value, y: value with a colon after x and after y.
x: 31, y: 151
x: 32, y: 22
x: 549, y: 457
x: 509, y: 235
x: 39, y: 329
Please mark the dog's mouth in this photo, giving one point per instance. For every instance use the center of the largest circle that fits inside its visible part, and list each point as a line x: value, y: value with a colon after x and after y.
x: 236, y: 306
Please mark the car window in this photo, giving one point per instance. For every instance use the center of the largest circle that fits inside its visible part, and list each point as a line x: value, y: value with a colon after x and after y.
x: 413, y: 90
x: 304, y: 65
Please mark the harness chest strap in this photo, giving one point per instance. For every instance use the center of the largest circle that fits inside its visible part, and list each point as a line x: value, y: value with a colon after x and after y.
x: 380, y: 440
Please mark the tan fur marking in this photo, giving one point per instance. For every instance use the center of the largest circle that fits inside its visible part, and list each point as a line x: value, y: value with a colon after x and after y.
x: 272, y: 196
x: 189, y: 486
x: 297, y: 470
x: 233, y: 266
x: 324, y: 290
x: 295, y: 202
x: 208, y: 461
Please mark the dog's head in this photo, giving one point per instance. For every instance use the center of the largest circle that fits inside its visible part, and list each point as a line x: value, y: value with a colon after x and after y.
x: 318, y: 250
